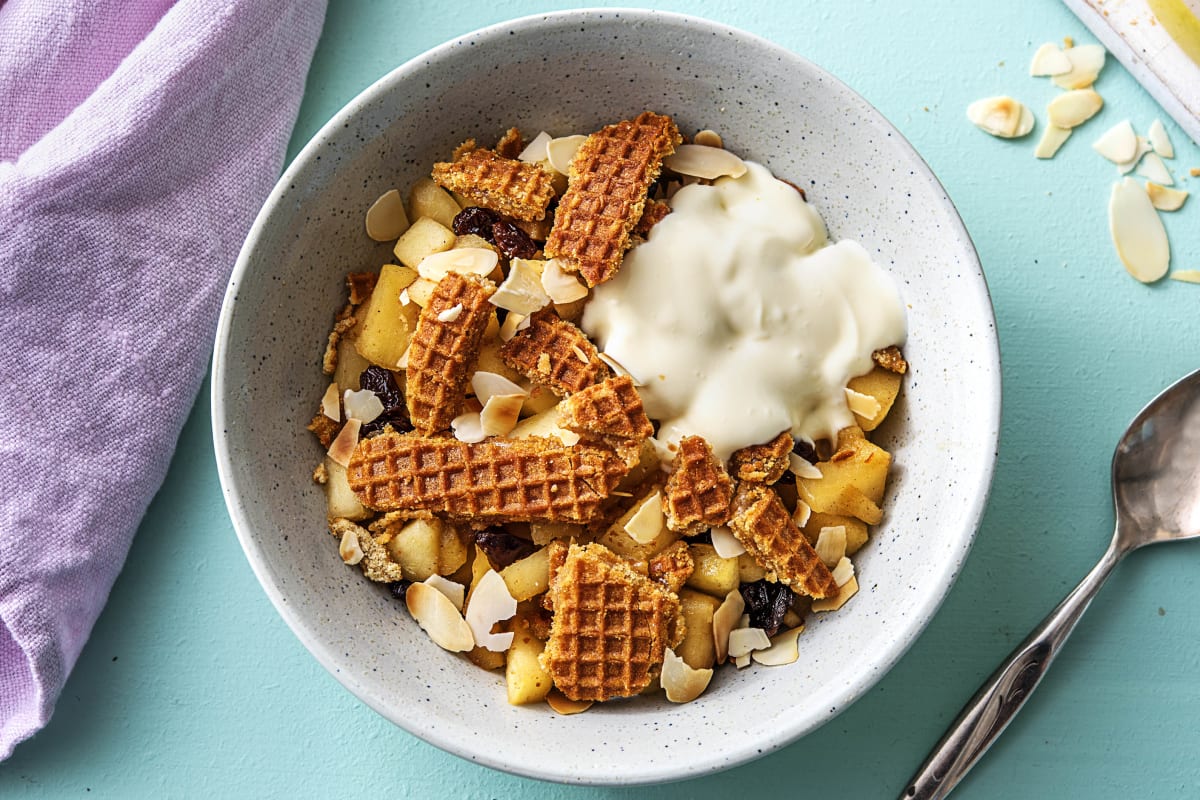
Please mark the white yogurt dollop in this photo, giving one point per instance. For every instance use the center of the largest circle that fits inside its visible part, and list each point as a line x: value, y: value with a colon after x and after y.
x: 740, y: 320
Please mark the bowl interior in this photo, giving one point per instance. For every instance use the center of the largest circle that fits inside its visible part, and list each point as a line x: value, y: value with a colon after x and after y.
x: 568, y: 73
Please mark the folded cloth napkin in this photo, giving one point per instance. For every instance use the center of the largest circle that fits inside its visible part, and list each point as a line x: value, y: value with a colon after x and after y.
x: 138, y: 139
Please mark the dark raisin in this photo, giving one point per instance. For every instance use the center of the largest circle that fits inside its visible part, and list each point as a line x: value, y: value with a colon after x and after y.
x: 512, y: 241
x: 805, y: 450
x: 399, y: 588
x: 476, y: 220
x: 395, y: 413
x: 501, y: 547
x: 766, y: 603
x: 705, y: 537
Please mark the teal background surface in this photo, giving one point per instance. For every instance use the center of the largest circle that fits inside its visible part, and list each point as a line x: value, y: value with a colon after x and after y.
x: 191, y: 685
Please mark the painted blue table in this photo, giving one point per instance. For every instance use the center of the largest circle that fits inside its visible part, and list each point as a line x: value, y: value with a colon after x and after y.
x: 192, y: 686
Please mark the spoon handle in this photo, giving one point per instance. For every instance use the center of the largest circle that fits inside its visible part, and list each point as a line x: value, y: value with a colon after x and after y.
x: 998, y: 700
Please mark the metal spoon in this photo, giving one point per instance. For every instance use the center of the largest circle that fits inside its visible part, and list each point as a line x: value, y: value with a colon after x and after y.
x: 1156, y: 493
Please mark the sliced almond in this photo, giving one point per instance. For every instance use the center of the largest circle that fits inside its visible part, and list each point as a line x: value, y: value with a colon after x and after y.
x: 618, y: 368
x: 455, y: 592
x: 491, y: 602
x: 1118, y: 144
x: 843, y: 571
x: 330, y: 405
x: 463, y: 260
x: 535, y: 151
x: 1165, y: 199
x: 341, y: 448
x: 743, y: 641
x: 725, y: 543
x: 1153, y: 169
x: 485, y: 384
x: 1157, y: 135
x: 500, y: 414
x: 647, y: 523
x: 1086, y: 62
x: 1053, y: 137
x: 1001, y: 116
x: 845, y: 592
x: 1186, y: 275
x: 436, y: 614
x: 560, y: 151
x: 402, y: 362
x: 386, y: 219
x: 508, y: 328
x: 682, y: 683
x: 1138, y: 232
x: 561, y: 286
x: 349, y: 549
x: 450, y: 314
x: 864, y: 405
x: 468, y: 427
x: 701, y: 161
x: 802, y: 468
x: 1073, y: 108
x: 831, y: 545
x: 708, y: 138
x: 561, y: 704
x: 1049, y: 60
x: 725, y: 620
x: 801, y: 514
x: 522, y: 290
x: 1142, y: 148
x: 784, y: 649
x: 741, y: 662
x: 363, y: 405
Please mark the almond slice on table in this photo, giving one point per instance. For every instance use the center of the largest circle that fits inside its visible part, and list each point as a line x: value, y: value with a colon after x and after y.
x: 702, y: 161
x: 386, y: 218
x: 1138, y: 232
x: 1142, y: 148
x: 1165, y: 199
x: 1153, y: 169
x: 1053, y: 137
x: 1157, y: 136
x: 1049, y: 60
x: 1086, y: 62
x: 1001, y: 116
x: 491, y: 602
x: 464, y: 260
x: 682, y: 683
x: 438, y: 617
x: 1071, y: 109
x: 1118, y: 144
x: 1186, y: 275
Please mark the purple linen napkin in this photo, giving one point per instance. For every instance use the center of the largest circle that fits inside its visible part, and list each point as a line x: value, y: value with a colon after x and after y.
x: 138, y: 139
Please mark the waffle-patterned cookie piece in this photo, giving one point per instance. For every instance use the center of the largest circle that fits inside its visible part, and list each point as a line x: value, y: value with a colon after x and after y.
x: 611, y: 407
x: 762, y: 463
x: 611, y: 626
x: 513, y: 188
x: 765, y: 528
x: 554, y: 352
x: 444, y: 348
x: 698, y: 491
x: 606, y: 194
x: 532, y: 479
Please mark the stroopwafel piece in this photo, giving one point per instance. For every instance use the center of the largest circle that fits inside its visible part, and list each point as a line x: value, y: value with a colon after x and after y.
x: 606, y: 194
x: 554, y: 352
x: 610, y: 628
x: 612, y: 407
x: 444, y: 348
x: 765, y: 528
x: 698, y: 491
x: 762, y: 463
x: 531, y: 479
x: 513, y: 188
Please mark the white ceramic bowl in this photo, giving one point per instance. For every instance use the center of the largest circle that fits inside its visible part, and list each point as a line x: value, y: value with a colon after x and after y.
x: 566, y: 73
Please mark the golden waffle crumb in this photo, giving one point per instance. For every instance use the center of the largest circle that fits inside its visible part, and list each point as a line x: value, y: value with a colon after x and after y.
x: 610, y: 628
x: 442, y: 354
x: 376, y: 564
x: 890, y: 359
x: 652, y: 214
x: 466, y: 147
x: 361, y: 285
x: 510, y: 145
x: 511, y: 187
x: 762, y: 463
x: 765, y: 528
x: 673, y: 566
x: 345, y: 322
x: 530, y: 479
x: 321, y: 474
x: 698, y: 491
x: 324, y: 429
x: 545, y: 352
x: 609, y: 408
x: 606, y: 194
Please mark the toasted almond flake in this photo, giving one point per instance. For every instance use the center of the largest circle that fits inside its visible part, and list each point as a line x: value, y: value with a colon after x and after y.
x: 1049, y: 60
x: 1153, y: 169
x: 486, y: 384
x: 845, y: 592
x: 708, y: 138
x: 647, y: 523
x: 725, y: 543
x: 1157, y: 135
x: 561, y: 286
x: 1086, y: 62
x: 1165, y: 199
x: 618, y: 368
x: 402, y: 362
x: 1118, y: 144
x: 490, y: 603
x: 801, y: 514
x: 523, y: 324
x: 341, y: 448
x: 1186, y: 275
x: 463, y: 260
x: 330, y: 406
x: 363, y: 405
x: 386, y: 219
x: 455, y: 592
x: 522, y: 290
x: 1001, y: 116
x: 436, y: 614
x: 451, y: 314
x: 1142, y: 148
x: 578, y: 351
x: 843, y: 571
x: 468, y: 427
x: 535, y: 151
x: 741, y: 662
x: 1053, y: 137
x: 500, y: 414
x: 784, y: 649
x: 743, y: 641
x: 508, y: 328
x: 864, y: 405
x: 682, y: 683
x: 1138, y: 232
x: 701, y: 161
x: 831, y: 545
x: 561, y: 704
x: 560, y: 151
x: 725, y: 620
x: 349, y: 549
x: 1074, y: 108
x: 801, y: 467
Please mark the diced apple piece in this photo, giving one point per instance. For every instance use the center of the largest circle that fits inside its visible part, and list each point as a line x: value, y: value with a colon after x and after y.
x: 698, y: 649
x: 415, y: 548
x: 856, y: 529
x: 340, y: 499
x: 387, y: 324
x: 424, y: 237
x: 528, y: 577
x: 427, y: 199
x: 712, y: 574
x: 617, y: 539
x: 350, y: 363
x: 524, y: 677
x: 881, y: 384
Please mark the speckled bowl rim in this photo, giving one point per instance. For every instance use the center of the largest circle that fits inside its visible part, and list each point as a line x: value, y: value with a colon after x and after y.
x: 739, y: 750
